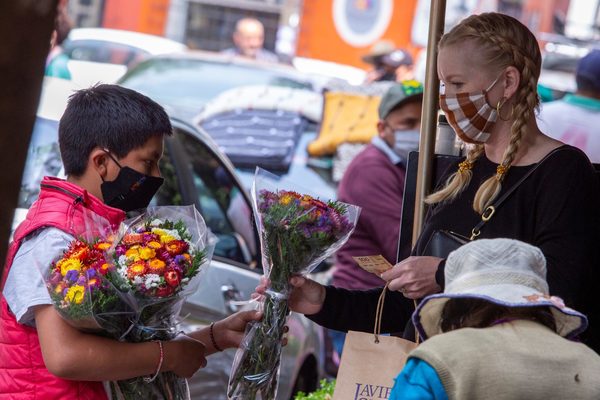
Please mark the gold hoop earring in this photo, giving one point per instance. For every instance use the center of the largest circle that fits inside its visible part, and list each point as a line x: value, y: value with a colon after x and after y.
x: 501, y: 104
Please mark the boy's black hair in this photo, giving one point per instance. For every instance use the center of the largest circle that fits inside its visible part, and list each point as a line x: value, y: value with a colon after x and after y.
x: 111, y: 117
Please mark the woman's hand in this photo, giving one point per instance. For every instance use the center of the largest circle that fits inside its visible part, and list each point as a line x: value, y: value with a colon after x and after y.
x: 307, y: 296
x: 414, y: 277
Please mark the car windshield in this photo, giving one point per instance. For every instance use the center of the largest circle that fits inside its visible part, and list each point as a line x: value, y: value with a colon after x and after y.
x: 187, y: 84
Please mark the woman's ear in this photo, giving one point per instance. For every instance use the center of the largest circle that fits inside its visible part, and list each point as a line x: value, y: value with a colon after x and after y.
x: 511, y: 81
x: 98, y: 161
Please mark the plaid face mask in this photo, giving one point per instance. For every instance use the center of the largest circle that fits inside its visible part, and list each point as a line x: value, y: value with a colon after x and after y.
x: 469, y: 114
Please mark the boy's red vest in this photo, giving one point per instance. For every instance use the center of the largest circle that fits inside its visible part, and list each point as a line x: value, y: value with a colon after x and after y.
x: 23, y: 374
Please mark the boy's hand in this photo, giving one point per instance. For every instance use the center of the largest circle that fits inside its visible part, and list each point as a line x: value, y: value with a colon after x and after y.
x: 184, y: 356
x: 229, y: 332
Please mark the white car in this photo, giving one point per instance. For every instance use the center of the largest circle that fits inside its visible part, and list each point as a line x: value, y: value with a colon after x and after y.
x: 103, y: 55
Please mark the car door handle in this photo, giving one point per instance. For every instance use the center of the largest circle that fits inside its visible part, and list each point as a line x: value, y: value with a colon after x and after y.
x: 232, y: 297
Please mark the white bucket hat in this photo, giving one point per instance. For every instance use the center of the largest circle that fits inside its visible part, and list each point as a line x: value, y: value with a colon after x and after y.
x: 502, y: 271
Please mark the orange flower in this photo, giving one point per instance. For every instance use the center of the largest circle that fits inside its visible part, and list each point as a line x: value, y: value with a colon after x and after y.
x: 176, y: 247
x: 133, y: 238
x: 104, y: 268
x: 136, y: 269
x: 102, y: 246
x: 59, y: 288
x: 156, y: 266
x: 79, y: 253
x: 154, y: 245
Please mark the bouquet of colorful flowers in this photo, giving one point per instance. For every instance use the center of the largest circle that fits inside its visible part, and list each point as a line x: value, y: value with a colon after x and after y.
x: 130, y: 285
x: 297, y: 232
x: 157, y: 259
x: 82, y: 293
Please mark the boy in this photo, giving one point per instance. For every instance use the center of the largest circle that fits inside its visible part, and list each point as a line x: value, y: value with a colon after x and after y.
x: 111, y: 142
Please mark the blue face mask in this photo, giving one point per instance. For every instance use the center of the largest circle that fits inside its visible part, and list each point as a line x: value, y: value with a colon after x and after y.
x: 406, y: 141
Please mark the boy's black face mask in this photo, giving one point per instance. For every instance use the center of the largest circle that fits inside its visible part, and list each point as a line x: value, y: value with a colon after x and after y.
x: 130, y: 190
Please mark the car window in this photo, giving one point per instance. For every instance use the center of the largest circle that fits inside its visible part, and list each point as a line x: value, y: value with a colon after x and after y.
x: 103, y: 52
x: 43, y: 158
x: 191, y: 169
x: 189, y: 84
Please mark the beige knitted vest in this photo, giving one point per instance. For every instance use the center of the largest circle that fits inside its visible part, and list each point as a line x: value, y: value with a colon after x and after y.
x: 510, y: 361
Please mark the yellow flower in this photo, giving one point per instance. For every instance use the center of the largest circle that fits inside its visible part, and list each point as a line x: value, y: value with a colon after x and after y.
x: 166, y: 238
x: 75, y: 294
x: 68, y: 265
x: 132, y: 254
x: 286, y: 199
x: 159, y: 231
x: 147, y: 253
x: 59, y: 288
x: 154, y: 244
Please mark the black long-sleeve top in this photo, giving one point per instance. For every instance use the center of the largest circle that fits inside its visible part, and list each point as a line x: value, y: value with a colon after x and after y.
x: 555, y: 209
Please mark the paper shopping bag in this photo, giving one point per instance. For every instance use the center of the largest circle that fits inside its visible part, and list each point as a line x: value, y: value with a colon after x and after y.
x: 370, y: 362
x: 368, y: 369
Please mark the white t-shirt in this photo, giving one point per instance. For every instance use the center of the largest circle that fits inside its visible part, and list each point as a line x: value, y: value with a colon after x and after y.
x: 574, y: 123
x: 25, y: 286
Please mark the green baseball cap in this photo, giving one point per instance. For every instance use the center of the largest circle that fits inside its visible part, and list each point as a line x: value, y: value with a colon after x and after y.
x: 399, y: 93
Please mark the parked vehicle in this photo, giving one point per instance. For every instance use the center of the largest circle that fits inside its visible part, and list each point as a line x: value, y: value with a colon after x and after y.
x: 103, y: 55
x: 185, y: 82
x: 559, y: 63
x: 196, y: 172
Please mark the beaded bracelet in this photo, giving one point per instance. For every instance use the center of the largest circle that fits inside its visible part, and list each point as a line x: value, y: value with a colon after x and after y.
x: 212, y: 338
x: 160, y: 362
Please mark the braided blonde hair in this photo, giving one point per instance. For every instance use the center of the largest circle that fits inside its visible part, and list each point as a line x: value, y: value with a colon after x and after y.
x: 502, y: 41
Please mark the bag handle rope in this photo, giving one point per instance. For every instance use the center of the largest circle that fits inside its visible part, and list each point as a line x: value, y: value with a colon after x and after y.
x: 379, y: 314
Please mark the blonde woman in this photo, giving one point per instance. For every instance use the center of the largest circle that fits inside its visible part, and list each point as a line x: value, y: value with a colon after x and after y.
x: 488, y: 66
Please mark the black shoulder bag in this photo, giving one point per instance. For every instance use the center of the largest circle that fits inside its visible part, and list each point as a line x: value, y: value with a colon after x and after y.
x: 443, y: 242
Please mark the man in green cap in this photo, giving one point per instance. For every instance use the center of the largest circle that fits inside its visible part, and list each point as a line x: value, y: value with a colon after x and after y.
x: 374, y: 181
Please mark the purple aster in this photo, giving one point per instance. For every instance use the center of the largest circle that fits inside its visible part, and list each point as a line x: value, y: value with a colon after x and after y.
x: 179, y: 259
x: 72, y: 276
x: 91, y: 273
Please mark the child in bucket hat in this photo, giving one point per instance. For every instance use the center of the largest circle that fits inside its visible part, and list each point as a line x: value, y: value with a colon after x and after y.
x: 496, y: 332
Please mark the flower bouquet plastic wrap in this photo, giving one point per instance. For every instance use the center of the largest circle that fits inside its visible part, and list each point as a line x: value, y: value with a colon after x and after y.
x: 130, y: 284
x: 158, y: 258
x: 297, y: 232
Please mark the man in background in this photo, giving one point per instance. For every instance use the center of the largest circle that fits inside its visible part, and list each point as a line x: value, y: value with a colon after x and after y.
x: 575, y: 118
x: 389, y: 63
x: 374, y: 181
x: 248, y: 38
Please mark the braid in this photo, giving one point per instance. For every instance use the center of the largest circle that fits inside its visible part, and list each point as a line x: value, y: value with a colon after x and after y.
x: 498, y: 35
x: 459, y: 180
x: 525, y: 102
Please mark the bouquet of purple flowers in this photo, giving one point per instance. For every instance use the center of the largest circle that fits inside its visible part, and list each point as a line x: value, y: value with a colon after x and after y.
x: 297, y: 232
